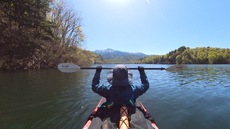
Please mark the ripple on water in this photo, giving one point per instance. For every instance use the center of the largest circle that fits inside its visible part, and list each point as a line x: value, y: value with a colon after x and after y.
x: 194, y: 98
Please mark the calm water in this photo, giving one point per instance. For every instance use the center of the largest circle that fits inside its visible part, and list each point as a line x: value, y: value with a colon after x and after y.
x: 198, y: 98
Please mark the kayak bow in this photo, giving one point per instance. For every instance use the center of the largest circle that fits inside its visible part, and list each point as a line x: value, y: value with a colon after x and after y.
x: 91, y: 124
x: 91, y: 116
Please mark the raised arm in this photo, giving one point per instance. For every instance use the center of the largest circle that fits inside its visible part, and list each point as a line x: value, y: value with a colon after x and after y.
x: 96, y: 86
x: 96, y: 78
x: 139, y: 90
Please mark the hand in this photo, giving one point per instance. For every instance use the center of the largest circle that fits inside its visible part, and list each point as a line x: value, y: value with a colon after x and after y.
x: 98, y: 69
x: 140, y: 68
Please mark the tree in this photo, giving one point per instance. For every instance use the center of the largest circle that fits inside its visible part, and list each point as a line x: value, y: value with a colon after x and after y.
x: 40, y: 34
x: 226, y: 56
x: 24, y: 29
x: 67, y: 24
x: 192, y: 56
x: 179, y: 59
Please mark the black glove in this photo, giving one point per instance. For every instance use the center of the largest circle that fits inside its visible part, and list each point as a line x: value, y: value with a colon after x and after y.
x: 140, y: 69
x: 98, y: 69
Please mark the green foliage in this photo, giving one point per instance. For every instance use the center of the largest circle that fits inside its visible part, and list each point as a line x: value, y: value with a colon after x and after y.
x: 28, y: 39
x: 24, y: 30
x: 185, y: 55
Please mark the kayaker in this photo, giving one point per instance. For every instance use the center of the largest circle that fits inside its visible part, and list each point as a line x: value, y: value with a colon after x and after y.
x: 120, y: 107
x: 120, y: 91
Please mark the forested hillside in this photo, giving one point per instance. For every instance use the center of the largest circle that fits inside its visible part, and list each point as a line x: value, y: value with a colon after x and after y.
x: 186, y: 55
x: 40, y: 34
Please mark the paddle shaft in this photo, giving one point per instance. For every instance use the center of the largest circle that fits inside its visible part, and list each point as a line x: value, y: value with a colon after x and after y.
x: 128, y: 68
x: 70, y: 67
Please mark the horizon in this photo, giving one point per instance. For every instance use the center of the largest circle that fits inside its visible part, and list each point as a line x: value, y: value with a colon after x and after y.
x: 153, y: 27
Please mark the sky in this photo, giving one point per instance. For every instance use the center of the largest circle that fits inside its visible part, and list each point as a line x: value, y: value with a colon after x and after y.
x: 153, y: 26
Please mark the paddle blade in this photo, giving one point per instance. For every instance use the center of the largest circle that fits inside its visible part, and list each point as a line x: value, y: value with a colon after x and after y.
x: 68, y: 67
x: 176, y: 68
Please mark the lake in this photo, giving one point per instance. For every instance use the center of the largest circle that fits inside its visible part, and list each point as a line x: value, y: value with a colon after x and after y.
x: 196, y: 98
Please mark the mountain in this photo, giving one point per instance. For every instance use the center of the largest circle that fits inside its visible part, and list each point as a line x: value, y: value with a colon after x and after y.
x: 115, y: 56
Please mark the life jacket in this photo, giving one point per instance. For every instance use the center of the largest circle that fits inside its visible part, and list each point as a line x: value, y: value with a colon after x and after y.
x: 121, y: 96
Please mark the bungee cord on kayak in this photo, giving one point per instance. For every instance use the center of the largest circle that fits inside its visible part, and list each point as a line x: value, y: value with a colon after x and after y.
x: 124, y: 121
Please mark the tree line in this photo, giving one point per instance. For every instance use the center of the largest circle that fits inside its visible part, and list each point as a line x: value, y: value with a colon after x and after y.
x: 39, y: 34
x: 186, y: 55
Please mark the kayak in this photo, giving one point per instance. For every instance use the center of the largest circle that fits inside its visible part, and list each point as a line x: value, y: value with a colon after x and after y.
x: 102, y: 117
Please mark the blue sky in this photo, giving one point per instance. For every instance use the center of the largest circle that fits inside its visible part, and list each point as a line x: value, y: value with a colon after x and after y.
x: 154, y: 26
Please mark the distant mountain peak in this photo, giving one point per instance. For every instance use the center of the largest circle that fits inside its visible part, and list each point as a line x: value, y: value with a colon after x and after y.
x: 109, y: 50
x: 115, y: 56
x: 112, y: 50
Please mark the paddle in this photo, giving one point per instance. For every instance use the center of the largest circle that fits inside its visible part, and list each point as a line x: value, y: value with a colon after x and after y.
x: 69, y: 68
